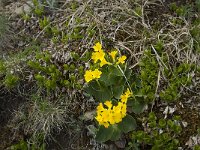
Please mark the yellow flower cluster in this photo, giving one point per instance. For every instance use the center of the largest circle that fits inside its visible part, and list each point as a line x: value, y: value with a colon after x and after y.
x: 90, y: 75
x: 99, y: 54
x: 112, y: 114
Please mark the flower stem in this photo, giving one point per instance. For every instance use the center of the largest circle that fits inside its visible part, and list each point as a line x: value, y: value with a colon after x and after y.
x: 98, y: 83
x: 125, y: 78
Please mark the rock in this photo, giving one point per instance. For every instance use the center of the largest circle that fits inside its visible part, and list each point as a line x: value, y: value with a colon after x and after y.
x: 89, y: 115
x: 25, y: 8
x: 121, y: 143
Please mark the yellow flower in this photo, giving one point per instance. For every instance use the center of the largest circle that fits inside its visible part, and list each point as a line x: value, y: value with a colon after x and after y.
x: 97, y: 47
x: 128, y: 92
x: 105, y: 114
x: 121, y: 60
x: 124, y: 97
x: 112, y: 120
x: 106, y: 124
x: 113, y: 55
x: 99, y: 119
x: 97, y: 56
x: 117, y: 118
x: 101, y: 55
x: 96, y: 74
x: 117, y: 108
x: 108, y: 104
x: 100, y: 107
x: 123, y: 111
x: 111, y: 114
x: 117, y: 115
x: 88, y: 76
x: 104, y: 62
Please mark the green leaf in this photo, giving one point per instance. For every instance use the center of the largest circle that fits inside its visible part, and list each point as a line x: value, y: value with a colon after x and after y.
x: 170, y: 123
x: 39, y: 77
x: 111, y: 75
x: 138, y: 105
x: 152, y: 116
x: 197, y: 147
x: 162, y: 123
x: 99, y: 90
x: 114, y: 70
x: 116, y: 133
x: 128, y: 124
x: 117, y: 91
x: 104, y: 134
x: 2, y: 67
x: 128, y: 73
x: 11, y: 80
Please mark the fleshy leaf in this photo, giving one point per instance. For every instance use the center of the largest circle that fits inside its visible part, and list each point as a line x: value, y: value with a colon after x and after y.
x: 99, y: 91
x: 104, y: 134
x: 116, y: 133
x: 138, y: 104
x: 110, y: 75
x: 128, y: 124
x: 118, y: 90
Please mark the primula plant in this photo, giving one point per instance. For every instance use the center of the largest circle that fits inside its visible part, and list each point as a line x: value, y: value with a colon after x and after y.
x: 107, y: 82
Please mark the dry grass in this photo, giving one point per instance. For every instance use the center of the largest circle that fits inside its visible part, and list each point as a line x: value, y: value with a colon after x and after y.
x: 40, y: 116
x: 5, y: 33
x: 124, y: 25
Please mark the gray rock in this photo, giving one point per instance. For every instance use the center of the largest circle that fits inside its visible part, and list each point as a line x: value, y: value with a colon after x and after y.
x: 25, y: 8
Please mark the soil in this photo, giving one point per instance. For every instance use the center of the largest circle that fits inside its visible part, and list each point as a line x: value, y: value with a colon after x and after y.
x: 9, y: 102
